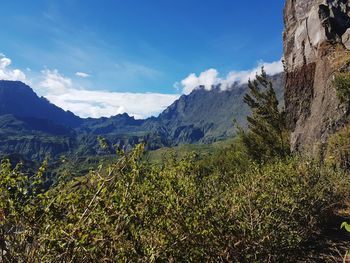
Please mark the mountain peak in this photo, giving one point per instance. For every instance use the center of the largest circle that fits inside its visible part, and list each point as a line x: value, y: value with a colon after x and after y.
x: 19, y: 99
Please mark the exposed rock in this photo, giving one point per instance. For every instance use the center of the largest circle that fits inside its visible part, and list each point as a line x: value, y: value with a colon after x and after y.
x: 298, y: 100
x: 334, y: 18
x: 346, y: 39
x: 313, y: 53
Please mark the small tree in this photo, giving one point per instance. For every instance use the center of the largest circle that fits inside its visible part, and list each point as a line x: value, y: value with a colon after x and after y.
x: 267, y: 136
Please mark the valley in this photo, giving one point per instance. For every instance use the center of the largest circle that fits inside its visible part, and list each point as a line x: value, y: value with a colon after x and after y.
x: 46, y: 131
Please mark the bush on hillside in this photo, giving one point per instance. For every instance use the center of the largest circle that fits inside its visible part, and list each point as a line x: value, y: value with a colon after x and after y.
x: 338, y: 149
x: 342, y: 84
x: 177, y: 211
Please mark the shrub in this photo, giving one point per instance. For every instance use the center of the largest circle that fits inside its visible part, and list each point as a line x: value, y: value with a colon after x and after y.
x: 21, y: 210
x: 338, y: 149
x: 177, y: 211
x: 342, y: 84
x: 281, y: 205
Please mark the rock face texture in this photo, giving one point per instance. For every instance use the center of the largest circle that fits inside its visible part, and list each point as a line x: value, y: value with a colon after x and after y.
x: 316, y: 47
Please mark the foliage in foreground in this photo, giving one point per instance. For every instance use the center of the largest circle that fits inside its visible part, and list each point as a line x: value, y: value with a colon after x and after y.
x: 179, y: 211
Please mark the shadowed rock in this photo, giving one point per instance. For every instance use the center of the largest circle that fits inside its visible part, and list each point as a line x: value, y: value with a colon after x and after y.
x: 316, y: 38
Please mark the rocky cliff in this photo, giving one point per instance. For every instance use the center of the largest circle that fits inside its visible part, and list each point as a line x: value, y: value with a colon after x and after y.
x: 316, y: 48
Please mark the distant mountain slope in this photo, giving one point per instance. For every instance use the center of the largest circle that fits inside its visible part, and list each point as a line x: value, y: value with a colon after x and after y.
x: 207, y: 116
x: 35, y: 128
x: 35, y: 139
x: 18, y: 99
x: 122, y: 123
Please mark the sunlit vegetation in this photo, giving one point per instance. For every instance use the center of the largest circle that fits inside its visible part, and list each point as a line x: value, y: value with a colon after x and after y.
x: 338, y: 149
x: 228, y: 205
x: 178, y: 211
x: 267, y: 136
x: 342, y: 84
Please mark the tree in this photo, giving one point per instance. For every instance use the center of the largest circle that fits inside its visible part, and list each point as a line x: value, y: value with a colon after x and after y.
x: 267, y: 136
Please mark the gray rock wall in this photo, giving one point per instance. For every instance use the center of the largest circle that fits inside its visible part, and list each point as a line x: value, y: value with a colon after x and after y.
x: 316, y: 42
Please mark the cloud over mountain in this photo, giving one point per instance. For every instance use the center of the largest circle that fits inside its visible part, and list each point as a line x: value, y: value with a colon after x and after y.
x: 68, y: 94
x: 211, y: 77
x: 62, y: 91
x: 7, y: 73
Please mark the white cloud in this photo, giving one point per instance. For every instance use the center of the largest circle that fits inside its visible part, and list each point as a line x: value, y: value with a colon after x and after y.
x: 82, y: 74
x: 6, y: 73
x: 5, y: 62
x: 62, y: 92
x: 67, y: 94
x: 96, y: 104
x: 54, y: 83
x: 207, y: 79
x: 211, y: 77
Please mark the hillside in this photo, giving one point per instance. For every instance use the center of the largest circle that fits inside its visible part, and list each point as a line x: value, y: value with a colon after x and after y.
x: 35, y: 128
x: 230, y: 172
x: 18, y: 99
x: 207, y: 116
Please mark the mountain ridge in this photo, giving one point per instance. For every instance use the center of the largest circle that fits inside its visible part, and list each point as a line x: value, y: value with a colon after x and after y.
x: 14, y: 97
x: 204, y: 116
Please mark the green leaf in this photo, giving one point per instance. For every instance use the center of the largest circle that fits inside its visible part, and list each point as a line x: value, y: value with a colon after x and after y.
x: 346, y: 226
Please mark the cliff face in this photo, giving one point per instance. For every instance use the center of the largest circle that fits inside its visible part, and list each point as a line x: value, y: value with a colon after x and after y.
x: 316, y: 47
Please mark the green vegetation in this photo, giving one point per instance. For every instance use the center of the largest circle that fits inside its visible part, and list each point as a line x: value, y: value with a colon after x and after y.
x: 201, y: 150
x: 180, y: 211
x: 268, y: 136
x: 230, y: 204
x: 338, y: 149
x: 346, y: 226
x: 342, y: 84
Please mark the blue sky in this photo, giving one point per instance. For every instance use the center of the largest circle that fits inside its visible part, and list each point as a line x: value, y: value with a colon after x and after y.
x: 143, y: 46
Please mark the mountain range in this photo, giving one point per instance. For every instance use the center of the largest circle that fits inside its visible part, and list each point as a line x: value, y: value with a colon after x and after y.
x: 34, y: 128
